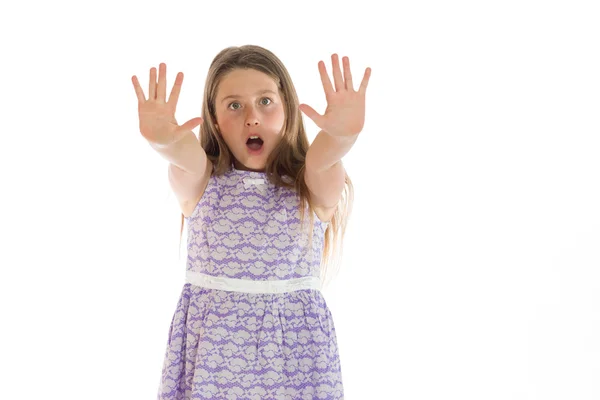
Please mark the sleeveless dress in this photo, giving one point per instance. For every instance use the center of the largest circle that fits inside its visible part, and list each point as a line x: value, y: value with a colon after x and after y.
x: 251, y: 322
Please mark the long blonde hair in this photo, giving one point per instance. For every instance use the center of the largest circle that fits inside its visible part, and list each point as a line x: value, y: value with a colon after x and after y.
x: 288, y: 158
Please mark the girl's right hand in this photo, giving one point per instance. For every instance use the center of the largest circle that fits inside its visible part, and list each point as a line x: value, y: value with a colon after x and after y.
x: 157, y: 116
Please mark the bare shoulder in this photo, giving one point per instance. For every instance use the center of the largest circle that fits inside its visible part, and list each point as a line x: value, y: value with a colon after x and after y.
x: 187, y: 187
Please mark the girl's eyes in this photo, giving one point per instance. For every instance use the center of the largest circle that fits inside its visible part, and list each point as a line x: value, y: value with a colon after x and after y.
x: 269, y: 101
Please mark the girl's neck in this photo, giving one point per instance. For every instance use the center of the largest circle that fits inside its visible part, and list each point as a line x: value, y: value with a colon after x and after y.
x: 241, y: 168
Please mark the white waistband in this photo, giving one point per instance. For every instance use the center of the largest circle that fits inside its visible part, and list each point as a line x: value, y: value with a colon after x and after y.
x: 250, y: 286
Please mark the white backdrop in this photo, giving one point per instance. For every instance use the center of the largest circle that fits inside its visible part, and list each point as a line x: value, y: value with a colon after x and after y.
x: 471, y: 263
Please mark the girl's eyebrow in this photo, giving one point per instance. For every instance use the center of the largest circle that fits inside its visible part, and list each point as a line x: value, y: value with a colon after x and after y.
x: 233, y: 96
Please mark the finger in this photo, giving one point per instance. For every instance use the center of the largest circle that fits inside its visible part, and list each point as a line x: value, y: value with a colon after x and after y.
x: 347, y: 74
x: 337, y: 73
x: 161, y: 92
x: 365, y: 81
x: 311, y: 113
x: 174, y: 96
x: 325, y: 79
x: 152, y: 86
x: 138, y: 89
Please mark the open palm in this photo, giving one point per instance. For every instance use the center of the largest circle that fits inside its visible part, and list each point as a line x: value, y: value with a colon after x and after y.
x: 345, y: 112
x: 157, y: 115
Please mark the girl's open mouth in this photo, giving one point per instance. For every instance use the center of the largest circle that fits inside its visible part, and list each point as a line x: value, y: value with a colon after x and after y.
x: 254, y: 144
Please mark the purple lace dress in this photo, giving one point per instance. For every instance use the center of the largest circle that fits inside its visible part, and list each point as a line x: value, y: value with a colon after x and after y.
x: 251, y: 321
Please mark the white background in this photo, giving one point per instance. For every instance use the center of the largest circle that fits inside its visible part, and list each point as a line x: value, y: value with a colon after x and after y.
x: 471, y: 264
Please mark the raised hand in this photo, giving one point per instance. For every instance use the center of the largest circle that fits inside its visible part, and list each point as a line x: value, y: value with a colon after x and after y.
x: 157, y: 116
x: 345, y: 112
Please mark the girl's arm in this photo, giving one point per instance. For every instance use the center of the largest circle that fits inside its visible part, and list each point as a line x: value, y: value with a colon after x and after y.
x: 324, y: 173
x: 340, y: 126
x: 186, y: 153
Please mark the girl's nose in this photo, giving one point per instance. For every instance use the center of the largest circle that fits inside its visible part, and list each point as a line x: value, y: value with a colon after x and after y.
x: 251, y: 118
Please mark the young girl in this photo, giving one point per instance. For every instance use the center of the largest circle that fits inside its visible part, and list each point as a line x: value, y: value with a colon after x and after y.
x: 251, y: 321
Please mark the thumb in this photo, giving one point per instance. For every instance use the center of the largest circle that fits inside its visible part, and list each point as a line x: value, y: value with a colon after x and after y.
x: 191, y: 124
x: 311, y: 113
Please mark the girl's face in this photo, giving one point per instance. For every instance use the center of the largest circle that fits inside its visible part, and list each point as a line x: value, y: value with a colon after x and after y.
x: 248, y: 104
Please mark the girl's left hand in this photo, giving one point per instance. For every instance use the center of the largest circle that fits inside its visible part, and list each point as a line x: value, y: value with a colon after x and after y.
x: 345, y: 112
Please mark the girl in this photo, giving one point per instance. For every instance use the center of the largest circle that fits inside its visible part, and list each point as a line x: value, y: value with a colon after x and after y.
x: 251, y: 321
